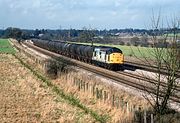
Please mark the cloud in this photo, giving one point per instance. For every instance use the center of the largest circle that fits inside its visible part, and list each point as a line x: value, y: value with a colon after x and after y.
x: 79, y: 13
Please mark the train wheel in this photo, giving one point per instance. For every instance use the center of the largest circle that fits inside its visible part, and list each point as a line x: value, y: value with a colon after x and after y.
x: 109, y: 66
x: 121, y: 67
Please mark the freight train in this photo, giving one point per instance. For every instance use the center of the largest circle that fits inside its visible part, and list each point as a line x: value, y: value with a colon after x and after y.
x: 103, y: 56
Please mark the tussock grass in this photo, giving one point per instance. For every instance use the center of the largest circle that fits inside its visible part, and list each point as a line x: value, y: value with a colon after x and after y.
x: 70, y: 98
x: 24, y: 98
x: 101, y: 107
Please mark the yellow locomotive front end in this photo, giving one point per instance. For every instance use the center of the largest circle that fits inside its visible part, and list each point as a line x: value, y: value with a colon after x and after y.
x: 116, y: 58
x: 108, y: 57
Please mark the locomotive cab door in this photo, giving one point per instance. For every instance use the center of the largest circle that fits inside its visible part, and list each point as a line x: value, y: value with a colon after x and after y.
x: 99, y: 55
x: 96, y: 54
x: 103, y: 56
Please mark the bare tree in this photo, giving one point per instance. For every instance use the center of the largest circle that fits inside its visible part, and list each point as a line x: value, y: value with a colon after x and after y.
x: 87, y: 35
x: 163, y: 57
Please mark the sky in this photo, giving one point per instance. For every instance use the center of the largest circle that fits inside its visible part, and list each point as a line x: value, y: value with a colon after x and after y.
x: 76, y: 14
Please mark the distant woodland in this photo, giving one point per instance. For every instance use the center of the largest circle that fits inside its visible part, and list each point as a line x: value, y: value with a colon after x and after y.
x: 136, y: 37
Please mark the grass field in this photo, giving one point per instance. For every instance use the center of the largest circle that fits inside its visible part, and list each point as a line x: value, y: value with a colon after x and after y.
x: 5, y: 46
x: 129, y: 50
x: 171, y: 34
x: 134, y: 51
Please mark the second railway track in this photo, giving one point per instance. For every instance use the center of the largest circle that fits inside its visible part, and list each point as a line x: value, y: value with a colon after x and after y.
x: 147, y: 67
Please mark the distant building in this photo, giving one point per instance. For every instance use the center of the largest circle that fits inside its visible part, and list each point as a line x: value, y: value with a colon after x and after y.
x: 40, y: 35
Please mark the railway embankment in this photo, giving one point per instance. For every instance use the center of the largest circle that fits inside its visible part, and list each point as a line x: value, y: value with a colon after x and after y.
x: 101, y: 94
x: 94, y: 91
x: 25, y: 98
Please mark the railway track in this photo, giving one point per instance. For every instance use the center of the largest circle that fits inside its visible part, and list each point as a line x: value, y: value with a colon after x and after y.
x: 145, y: 79
x: 135, y: 65
x: 118, y: 77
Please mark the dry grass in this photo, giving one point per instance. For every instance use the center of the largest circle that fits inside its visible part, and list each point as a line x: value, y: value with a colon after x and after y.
x: 101, y: 106
x: 65, y: 81
x: 120, y: 114
x: 26, y: 99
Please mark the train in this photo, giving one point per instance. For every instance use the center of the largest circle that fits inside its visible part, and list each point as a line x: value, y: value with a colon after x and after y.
x: 104, y: 56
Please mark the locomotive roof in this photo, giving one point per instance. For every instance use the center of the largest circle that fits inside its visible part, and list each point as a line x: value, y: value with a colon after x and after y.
x: 109, y: 49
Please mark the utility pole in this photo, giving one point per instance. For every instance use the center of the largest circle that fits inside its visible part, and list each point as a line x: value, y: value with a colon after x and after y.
x: 69, y: 34
x: 59, y: 35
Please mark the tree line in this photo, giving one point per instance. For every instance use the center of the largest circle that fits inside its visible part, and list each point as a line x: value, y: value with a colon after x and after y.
x: 136, y: 37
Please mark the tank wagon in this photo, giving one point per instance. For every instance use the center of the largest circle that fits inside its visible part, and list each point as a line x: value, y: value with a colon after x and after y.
x: 103, y: 56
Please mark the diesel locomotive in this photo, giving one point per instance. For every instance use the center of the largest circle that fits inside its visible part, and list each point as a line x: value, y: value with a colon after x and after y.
x: 103, y: 56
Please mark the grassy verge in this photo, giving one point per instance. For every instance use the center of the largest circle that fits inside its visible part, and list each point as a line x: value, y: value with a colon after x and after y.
x: 6, y: 47
x: 72, y: 100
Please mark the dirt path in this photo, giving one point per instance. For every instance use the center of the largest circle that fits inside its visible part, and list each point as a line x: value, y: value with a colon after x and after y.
x: 23, y: 98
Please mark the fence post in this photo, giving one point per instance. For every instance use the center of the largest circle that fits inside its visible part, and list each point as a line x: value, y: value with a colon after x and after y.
x: 133, y: 108
x: 100, y: 94
x: 121, y: 103
x: 87, y: 86
x: 90, y: 88
x: 79, y: 85
x: 93, y: 90
x: 77, y: 82
x: 152, y: 120
x: 104, y: 96
x: 117, y: 102
x: 127, y: 107
x: 84, y: 85
x: 97, y: 93
x: 112, y: 100
x: 145, y: 118
x: 74, y: 83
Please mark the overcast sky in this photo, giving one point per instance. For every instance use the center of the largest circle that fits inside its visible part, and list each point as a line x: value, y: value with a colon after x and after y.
x: 99, y: 14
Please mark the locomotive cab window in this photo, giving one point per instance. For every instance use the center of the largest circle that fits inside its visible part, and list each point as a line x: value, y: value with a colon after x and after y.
x: 95, y: 53
x: 100, y: 54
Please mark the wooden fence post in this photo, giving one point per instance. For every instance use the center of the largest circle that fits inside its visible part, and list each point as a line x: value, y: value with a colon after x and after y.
x: 133, y: 108
x: 152, y: 119
x: 127, y: 107
x: 97, y: 93
x: 87, y: 86
x: 108, y: 98
x: 122, y: 103
x: 113, y: 100
x: 84, y: 87
x: 145, y: 117
x: 91, y: 88
x: 117, y: 102
x: 79, y: 85
x: 94, y: 90
x: 105, y: 95
x: 100, y: 94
